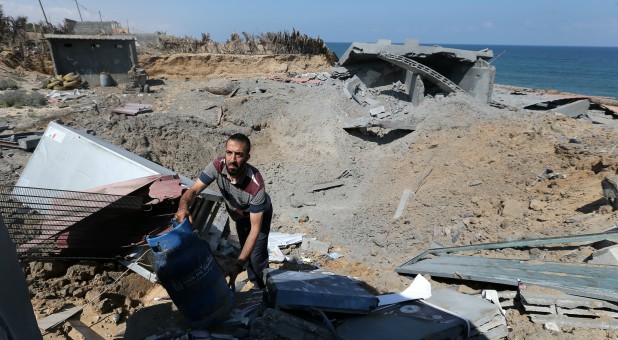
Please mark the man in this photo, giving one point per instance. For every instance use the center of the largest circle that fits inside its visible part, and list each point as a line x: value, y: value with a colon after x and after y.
x: 247, y: 203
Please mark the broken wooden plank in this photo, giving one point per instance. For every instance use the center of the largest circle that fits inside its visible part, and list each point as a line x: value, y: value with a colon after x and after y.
x: 598, y: 282
x: 325, y: 185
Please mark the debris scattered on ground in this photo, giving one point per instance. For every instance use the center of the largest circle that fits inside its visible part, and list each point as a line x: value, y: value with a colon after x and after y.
x: 132, y: 109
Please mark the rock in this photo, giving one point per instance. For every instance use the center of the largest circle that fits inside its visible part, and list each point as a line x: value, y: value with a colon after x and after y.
x: 48, y: 270
x: 303, y: 218
x: 93, y: 295
x: 605, y: 209
x: 374, y: 251
x: 312, y: 244
x: 219, y: 86
x: 512, y: 208
x: 536, y: 205
x: 535, y: 252
x: 295, y: 202
x: 474, y: 183
x: 552, y: 326
x: 508, y: 224
x: 81, y: 272
x: 79, y: 292
x: 608, y: 256
x: 104, y: 306
x: 380, y: 240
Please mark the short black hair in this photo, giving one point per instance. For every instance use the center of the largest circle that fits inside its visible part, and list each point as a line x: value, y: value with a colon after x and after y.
x: 239, y: 137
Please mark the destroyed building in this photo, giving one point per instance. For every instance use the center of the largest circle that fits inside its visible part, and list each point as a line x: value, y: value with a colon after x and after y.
x: 425, y: 70
x: 93, y: 27
x: 91, y: 55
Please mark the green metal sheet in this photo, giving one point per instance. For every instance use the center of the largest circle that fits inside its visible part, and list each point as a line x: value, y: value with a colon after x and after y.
x: 599, y: 282
x: 519, y: 243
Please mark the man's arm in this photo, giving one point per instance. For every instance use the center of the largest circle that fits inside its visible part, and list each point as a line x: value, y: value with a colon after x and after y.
x: 256, y: 225
x: 187, y: 199
x: 247, y: 249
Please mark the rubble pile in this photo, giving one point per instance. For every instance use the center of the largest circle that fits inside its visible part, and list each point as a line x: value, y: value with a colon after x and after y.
x: 363, y: 177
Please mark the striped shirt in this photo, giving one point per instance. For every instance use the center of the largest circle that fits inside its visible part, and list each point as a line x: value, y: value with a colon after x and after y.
x: 248, y: 195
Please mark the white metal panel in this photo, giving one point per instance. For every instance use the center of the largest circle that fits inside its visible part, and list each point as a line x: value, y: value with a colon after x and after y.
x: 66, y: 159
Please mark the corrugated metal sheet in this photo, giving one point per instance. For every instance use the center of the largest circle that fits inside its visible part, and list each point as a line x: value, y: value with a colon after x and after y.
x: 599, y: 282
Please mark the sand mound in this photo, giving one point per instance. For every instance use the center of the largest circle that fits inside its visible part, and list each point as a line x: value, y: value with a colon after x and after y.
x: 230, y: 66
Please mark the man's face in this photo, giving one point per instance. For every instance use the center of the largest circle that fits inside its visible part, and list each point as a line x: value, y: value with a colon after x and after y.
x: 236, y: 157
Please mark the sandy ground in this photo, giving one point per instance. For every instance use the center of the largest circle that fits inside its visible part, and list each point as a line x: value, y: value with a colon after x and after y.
x: 471, y: 166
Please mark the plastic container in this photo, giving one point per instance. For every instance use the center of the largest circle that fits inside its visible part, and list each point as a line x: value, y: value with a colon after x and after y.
x: 106, y: 79
x: 192, y: 277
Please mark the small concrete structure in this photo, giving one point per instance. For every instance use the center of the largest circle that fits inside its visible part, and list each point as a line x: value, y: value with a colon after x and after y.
x: 91, y: 27
x: 90, y: 55
x: 426, y: 70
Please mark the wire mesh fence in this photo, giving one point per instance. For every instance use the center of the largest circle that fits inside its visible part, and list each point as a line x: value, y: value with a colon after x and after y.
x: 45, y: 222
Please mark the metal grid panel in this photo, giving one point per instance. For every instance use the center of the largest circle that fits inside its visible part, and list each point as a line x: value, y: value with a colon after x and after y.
x: 41, y: 222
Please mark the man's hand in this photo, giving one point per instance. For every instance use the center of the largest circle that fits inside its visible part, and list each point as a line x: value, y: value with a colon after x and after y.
x: 181, y: 214
x: 232, y: 270
x: 186, y: 200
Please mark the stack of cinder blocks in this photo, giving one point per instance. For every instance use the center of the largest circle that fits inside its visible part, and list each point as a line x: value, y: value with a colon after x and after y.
x: 568, y: 310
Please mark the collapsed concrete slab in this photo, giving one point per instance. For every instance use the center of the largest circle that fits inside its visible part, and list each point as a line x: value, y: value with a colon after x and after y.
x: 567, y: 310
x: 467, y: 70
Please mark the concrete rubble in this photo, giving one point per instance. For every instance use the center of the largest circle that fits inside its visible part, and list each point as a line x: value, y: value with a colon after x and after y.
x: 386, y: 83
x: 555, y: 309
x: 425, y: 70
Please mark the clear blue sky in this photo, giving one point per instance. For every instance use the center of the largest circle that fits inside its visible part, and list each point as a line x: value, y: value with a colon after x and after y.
x: 515, y: 22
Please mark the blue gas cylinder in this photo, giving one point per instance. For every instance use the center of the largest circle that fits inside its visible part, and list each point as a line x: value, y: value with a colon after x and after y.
x: 187, y: 269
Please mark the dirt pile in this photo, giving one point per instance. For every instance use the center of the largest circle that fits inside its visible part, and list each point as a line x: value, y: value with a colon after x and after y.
x: 207, y: 65
x: 473, y: 167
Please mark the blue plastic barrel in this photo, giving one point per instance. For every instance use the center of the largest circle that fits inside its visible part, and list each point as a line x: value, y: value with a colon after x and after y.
x: 187, y: 269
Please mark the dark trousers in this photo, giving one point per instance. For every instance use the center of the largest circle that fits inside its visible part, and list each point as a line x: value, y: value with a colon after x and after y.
x: 258, y: 261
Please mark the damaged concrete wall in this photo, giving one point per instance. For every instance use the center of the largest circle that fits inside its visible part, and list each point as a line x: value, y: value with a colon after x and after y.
x: 470, y: 70
x: 91, y: 55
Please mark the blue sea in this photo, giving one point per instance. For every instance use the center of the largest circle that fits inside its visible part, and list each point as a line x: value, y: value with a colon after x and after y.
x: 583, y: 70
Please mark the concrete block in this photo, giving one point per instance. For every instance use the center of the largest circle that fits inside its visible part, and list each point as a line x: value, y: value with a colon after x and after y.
x: 574, y: 109
x: 29, y: 142
x: 541, y: 309
x: 575, y: 322
x: 586, y: 312
x: 376, y: 111
x: 607, y: 255
x: 565, y: 301
x: 497, y: 321
x: 313, y: 244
